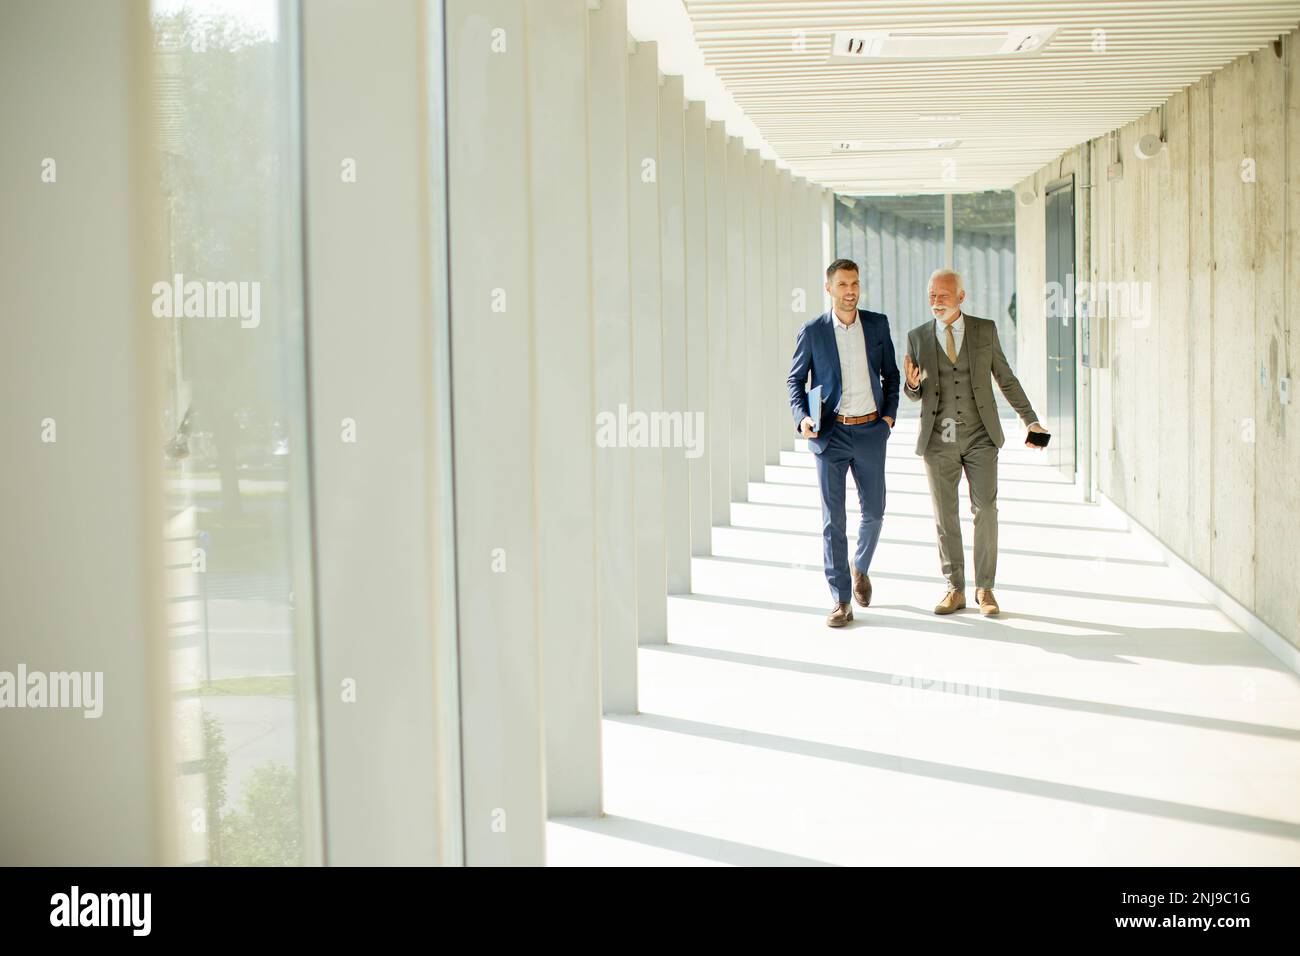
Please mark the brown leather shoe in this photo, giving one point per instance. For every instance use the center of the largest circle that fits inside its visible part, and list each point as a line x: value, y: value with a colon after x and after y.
x: 984, y: 598
x: 954, y: 600
x: 841, y: 615
x: 861, y: 588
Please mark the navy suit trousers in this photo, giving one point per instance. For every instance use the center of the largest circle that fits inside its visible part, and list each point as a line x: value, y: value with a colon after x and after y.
x: 860, y: 449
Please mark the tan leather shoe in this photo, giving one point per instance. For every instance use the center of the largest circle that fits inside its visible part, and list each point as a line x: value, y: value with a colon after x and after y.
x: 952, y: 601
x: 861, y: 588
x: 841, y: 615
x: 984, y: 598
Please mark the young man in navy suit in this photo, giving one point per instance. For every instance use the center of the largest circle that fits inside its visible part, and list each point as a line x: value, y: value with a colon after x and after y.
x: 851, y: 356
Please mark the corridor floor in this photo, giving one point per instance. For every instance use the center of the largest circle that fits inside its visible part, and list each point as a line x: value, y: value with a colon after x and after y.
x: 1108, y: 716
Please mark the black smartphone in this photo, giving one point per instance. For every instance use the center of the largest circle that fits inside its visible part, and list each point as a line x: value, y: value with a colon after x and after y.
x: 1039, y: 438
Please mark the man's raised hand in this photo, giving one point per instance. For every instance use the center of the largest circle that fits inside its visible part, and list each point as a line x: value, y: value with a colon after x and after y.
x: 913, y: 373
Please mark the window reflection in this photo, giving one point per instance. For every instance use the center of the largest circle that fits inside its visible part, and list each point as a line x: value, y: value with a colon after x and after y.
x: 232, y: 449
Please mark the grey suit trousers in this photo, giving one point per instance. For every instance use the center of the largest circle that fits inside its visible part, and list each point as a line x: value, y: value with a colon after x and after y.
x: 970, y: 449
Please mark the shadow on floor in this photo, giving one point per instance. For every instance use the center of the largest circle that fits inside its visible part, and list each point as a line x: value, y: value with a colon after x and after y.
x: 682, y: 841
x: 919, y: 682
x: 1111, y: 644
x: 970, y: 776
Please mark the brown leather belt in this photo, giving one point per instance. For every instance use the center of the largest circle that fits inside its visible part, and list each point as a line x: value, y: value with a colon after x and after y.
x: 857, y: 419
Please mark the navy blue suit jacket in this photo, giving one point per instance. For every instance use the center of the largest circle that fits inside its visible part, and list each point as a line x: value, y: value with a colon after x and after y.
x: 815, y: 349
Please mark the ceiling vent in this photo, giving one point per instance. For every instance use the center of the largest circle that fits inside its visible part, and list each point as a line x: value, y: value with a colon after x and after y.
x: 892, y: 145
x: 937, y: 43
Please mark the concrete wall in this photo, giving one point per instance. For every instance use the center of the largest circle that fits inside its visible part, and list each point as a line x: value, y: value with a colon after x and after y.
x: 1188, y: 431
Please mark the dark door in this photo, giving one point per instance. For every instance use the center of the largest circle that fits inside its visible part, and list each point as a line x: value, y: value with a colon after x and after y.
x: 1060, y: 308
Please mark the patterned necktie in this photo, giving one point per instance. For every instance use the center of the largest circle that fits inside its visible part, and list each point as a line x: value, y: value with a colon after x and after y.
x: 952, y: 345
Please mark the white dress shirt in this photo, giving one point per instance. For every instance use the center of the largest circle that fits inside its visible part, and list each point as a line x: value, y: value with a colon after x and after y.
x: 856, y: 396
x: 958, y: 333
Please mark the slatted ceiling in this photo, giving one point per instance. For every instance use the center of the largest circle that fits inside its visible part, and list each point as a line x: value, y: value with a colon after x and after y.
x: 1016, y: 114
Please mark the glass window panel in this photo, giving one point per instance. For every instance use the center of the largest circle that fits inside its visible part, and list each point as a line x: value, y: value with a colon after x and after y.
x: 897, y: 241
x: 984, y: 248
x: 233, y: 433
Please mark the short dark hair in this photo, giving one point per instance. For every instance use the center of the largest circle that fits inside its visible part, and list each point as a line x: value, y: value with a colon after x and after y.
x: 847, y: 264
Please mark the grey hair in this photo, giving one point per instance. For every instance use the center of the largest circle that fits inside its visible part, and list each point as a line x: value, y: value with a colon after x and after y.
x: 946, y: 274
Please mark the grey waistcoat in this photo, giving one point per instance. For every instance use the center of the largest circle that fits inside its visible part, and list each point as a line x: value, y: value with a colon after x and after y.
x: 955, y: 399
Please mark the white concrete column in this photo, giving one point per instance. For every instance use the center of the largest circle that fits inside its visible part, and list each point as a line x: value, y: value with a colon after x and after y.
x: 82, y: 548
x: 563, y: 404
x: 492, y: 354
x: 383, y: 552
x: 787, y: 319
x: 672, y: 233
x: 807, y: 251
x: 799, y: 236
x: 755, y: 367
x: 737, y: 326
x: 697, y: 329
x: 826, y: 228
x: 824, y: 239
x: 813, y: 236
x: 644, y: 299
x: 773, y: 391
x: 719, y: 418
x: 612, y: 352
x: 803, y: 296
x: 947, y: 231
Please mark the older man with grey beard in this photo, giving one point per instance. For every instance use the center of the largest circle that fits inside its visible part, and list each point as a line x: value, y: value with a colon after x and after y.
x: 951, y: 361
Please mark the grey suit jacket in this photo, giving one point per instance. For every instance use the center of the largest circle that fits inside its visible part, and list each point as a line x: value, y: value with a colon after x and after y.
x: 986, y: 362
